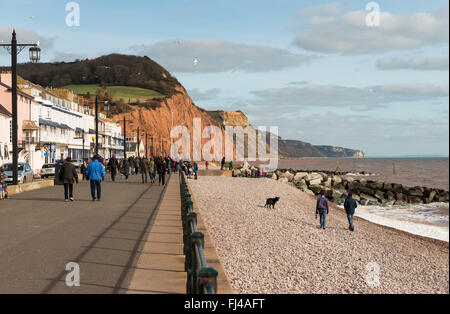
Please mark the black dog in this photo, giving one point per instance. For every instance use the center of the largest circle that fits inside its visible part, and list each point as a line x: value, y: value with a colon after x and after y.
x: 271, y: 202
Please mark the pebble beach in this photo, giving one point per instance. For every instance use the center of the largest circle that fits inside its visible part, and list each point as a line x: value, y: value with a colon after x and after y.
x: 282, y: 250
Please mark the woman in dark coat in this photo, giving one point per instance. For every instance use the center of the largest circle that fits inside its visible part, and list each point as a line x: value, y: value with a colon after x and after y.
x: 350, y: 206
x: 68, y: 175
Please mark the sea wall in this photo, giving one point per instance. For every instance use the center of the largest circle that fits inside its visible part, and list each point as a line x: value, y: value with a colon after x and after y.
x: 337, y: 185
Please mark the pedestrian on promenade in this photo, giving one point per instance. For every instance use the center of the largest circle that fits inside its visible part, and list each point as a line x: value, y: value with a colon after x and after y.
x: 96, y: 172
x: 83, y: 169
x: 350, y: 207
x: 68, y: 175
x: 3, y: 187
x: 231, y: 165
x: 195, y: 170
x: 137, y: 165
x: 322, y: 209
x: 207, y: 165
x: 161, y: 167
x: 126, y: 168
x: 144, y: 169
x: 222, y: 163
x: 113, y: 164
x: 152, y: 170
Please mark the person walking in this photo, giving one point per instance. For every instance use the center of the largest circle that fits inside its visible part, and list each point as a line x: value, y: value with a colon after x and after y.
x: 207, y: 165
x: 137, y: 165
x: 144, y: 169
x: 83, y: 170
x: 126, y: 168
x: 151, y: 170
x: 350, y: 207
x: 161, y: 167
x: 3, y: 187
x: 68, y: 175
x: 222, y: 163
x: 96, y: 172
x: 113, y: 164
x: 322, y: 210
x: 195, y: 169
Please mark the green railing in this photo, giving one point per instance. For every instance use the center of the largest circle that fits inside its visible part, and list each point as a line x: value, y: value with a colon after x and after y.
x: 201, y: 279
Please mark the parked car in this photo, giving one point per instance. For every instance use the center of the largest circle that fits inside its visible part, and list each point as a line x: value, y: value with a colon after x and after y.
x: 48, y: 170
x: 25, y: 174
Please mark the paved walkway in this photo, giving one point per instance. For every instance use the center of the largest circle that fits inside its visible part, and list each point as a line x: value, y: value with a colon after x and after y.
x: 40, y: 234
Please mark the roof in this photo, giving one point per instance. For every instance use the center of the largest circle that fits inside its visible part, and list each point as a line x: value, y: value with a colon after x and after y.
x: 29, y: 125
x: 5, y: 111
x: 54, y: 124
x: 19, y: 92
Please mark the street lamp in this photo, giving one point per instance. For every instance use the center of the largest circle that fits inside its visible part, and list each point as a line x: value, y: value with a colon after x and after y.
x: 35, y: 54
x: 125, y: 134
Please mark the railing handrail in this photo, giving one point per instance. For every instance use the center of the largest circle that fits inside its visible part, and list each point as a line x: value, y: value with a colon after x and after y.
x: 201, y: 279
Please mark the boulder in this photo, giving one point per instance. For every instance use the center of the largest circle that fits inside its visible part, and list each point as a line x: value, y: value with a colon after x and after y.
x: 245, y: 166
x: 301, y: 185
x: 313, y: 177
x: 429, y: 197
x: 368, y: 197
x: 283, y: 180
x: 356, y: 197
x: 415, y: 192
x: 401, y: 203
x: 415, y: 200
x: 299, y: 176
x: 379, y: 195
x: 366, y: 190
x: 327, y: 183
x: 375, y: 185
x: 336, y: 180
x: 289, y: 176
x: 309, y: 192
x: 389, y: 196
x: 316, y: 188
x: 274, y: 176
x: 316, y: 181
x: 236, y: 173
x: 387, y: 186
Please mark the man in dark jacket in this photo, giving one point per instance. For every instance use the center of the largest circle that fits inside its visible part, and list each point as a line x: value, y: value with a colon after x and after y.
x: 113, y: 164
x: 161, y: 168
x: 68, y: 175
x: 350, y: 206
x: 322, y: 209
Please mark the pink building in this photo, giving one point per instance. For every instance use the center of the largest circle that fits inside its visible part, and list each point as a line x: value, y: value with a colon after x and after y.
x: 25, y: 128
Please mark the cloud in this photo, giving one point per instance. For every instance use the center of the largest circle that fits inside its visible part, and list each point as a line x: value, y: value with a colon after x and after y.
x: 219, y: 56
x: 298, y: 83
x: 60, y: 56
x: 333, y: 8
x: 25, y: 36
x: 355, y: 98
x: 416, y: 63
x: 209, y: 94
x: 348, y: 33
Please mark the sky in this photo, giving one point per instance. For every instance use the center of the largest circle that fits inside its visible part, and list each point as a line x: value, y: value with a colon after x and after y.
x: 356, y: 74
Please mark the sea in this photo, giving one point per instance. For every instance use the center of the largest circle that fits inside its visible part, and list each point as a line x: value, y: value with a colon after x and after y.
x: 430, y: 220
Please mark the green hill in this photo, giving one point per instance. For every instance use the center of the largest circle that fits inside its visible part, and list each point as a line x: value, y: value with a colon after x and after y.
x: 128, y: 94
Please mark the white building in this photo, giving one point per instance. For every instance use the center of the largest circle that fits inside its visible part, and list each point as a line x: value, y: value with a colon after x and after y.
x: 5, y: 135
x: 68, y: 128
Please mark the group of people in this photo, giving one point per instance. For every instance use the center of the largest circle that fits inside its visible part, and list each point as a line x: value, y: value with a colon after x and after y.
x: 95, y: 171
x: 322, y: 210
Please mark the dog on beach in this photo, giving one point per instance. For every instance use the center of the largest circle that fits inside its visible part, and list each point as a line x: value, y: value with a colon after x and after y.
x: 271, y: 202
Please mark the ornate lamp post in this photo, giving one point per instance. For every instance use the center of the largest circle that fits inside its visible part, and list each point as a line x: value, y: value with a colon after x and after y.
x: 35, y: 54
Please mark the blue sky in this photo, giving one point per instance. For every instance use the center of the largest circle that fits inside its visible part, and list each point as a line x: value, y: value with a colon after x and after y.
x: 311, y: 67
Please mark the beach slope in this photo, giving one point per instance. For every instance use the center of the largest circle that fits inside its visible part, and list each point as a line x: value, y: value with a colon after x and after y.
x: 282, y: 250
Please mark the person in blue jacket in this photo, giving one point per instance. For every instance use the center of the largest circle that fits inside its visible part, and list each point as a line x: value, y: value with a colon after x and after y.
x: 195, y: 170
x: 95, y: 172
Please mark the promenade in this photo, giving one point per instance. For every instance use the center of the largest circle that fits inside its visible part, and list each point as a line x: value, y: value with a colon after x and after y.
x: 115, y: 242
